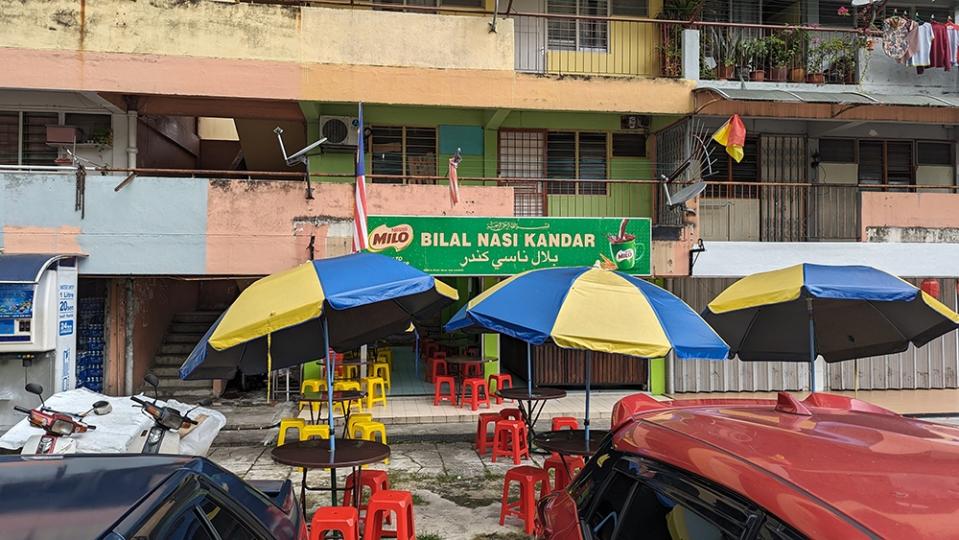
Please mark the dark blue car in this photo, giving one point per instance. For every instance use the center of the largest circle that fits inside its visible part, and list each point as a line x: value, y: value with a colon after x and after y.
x: 125, y: 497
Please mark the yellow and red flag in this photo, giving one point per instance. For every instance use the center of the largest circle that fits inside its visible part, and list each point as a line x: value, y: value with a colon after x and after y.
x: 732, y: 135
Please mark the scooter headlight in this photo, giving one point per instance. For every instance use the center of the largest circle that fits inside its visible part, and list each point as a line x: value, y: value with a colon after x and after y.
x: 154, y: 436
x: 62, y: 427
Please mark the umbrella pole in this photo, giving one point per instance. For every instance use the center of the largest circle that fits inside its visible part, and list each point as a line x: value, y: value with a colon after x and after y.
x: 812, y: 347
x: 529, y: 369
x: 416, y: 353
x: 269, y: 367
x: 589, y: 369
x: 329, y: 384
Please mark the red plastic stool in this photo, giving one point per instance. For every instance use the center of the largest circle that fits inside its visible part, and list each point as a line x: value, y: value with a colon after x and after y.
x: 473, y: 369
x: 501, y: 380
x: 474, y: 386
x: 382, y: 505
x: 483, y: 441
x: 438, y: 395
x: 511, y: 414
x: 525, y: 507
x: 563, y: 473
x: 435, y: 364
x: 510, y: 439
x: 343, y: 519
x: 374, y: 479
x: 560, y: 422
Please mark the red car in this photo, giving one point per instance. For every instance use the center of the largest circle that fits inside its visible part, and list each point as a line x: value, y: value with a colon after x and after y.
x: 825, y: 467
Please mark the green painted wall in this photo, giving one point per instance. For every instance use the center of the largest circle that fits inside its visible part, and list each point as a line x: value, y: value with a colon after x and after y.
x: 621, y: 199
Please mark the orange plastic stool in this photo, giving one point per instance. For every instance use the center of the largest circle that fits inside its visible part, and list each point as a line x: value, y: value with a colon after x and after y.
x: 438, y: 395
x: 374, y: 479
x: 563, y: 473
x: 525, y: 507
x: 383, y: 504
x: 474, y: 385
x: 511, y: 414
x: 560, y: 422
x: 510, y: 440
x: 483, y: 441
x: 343, y: 519
x: 501, y: 380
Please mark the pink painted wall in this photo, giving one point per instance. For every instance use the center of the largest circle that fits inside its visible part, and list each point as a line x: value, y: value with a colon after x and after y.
x: 41, y: 239
x: 928, y: 210
x: 256, y: 227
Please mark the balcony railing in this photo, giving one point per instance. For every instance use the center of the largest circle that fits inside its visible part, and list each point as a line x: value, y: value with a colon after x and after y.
x: 796, y: 54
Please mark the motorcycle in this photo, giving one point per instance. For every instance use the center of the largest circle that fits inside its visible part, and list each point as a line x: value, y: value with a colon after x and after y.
x: 58, y: 426
x: 164, y: 436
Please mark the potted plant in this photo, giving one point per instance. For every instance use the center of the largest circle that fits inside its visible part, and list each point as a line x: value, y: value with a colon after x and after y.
x: 816, y: 60
x: 754, y: 51
x: 726, y: 47
x: 777, y: 51
x: 797, y: 42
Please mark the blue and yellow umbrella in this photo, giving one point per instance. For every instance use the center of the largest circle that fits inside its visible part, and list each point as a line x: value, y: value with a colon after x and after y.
x: 592, y: 309
x: 839, y: 312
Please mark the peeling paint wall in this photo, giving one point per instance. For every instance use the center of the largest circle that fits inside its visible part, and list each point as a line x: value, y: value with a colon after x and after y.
x: 910, y: 217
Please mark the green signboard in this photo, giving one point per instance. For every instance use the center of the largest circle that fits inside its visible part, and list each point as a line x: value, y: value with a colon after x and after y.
x: 493, y: 246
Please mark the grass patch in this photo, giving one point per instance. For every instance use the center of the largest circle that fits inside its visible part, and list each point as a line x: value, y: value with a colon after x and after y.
x: 418, y: 500
x: 429, y: 536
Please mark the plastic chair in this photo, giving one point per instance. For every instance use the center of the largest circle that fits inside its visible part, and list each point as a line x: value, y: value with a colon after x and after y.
x: 568, y: 422
x: 289, y: 423
x: 510, y: 439
x: 473, y: 369
x: 342, y: 519
x: 484, y: 440
x: 368, y: 432
x: 373, y: 479
x: 382, y: 370
x: 435, y: 363
x: 499, y: 381
x: 383, y: 503
x: 356, y: 418
x: 438, y: 395
x: 372, y: 395
x: 321, y: 431
x: 511, y: 414
x: 525, y: 508
x: 563, y: 471
x: 476, y: 397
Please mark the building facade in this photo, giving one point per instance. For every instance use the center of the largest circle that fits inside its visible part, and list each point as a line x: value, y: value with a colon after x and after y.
x: 559, y: 108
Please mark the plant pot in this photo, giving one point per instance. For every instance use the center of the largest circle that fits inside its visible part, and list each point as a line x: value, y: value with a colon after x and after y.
x: 816, y: 78
x: 797, y: 75
x: 870, y: 44
x: 778, y: 74
x: 724, y: 72
x: 757, y: 75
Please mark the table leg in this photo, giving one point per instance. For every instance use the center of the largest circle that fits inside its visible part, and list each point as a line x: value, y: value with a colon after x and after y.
x: 332, y: 485
x: 347, y: 407
x: 357, y: 486
x: 303, y: 493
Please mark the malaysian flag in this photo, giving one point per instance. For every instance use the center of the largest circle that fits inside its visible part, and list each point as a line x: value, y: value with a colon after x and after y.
x: 359, y: 206
x: 454, y: 179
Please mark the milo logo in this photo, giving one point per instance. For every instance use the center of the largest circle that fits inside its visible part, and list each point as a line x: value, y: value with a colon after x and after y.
x: 625, y: 255
x: 384, y: 237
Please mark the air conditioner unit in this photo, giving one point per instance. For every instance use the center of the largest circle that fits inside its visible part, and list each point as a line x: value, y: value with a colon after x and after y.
x: 339, y: 130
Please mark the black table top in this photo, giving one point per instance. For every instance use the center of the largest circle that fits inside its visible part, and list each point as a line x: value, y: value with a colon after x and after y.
x: 315, y: 453
x: 571, y: 442
x: 539, y: 394
x: 338, y: 396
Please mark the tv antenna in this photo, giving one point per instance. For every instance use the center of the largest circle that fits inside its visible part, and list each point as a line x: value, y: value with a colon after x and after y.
x: 701, y: 155
x: 299, y: 157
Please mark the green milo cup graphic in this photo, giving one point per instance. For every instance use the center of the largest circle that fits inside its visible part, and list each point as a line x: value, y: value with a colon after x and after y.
x: 622, y: 248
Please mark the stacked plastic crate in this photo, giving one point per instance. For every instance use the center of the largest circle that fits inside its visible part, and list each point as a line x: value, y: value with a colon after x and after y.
x: 90, y: 340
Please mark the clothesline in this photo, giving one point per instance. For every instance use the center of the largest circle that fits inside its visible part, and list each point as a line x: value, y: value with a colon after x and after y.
x: 921, y: 44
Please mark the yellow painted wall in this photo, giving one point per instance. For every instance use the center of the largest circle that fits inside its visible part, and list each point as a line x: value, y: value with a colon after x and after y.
x: 259, y: 32
x: 632, y: 50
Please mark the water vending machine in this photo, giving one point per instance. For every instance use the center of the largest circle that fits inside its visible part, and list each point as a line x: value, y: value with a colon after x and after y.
x: 38, y: 307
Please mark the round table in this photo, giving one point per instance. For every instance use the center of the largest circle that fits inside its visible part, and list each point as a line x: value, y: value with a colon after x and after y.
x: 339, y: 396
x: 571, y: 442
x: 315, y: 454
x: 461, y: 360
x: 531, y: 403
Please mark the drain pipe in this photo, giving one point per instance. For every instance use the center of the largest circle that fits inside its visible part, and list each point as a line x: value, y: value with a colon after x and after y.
x: 132, y: 139
x: 128, y: 339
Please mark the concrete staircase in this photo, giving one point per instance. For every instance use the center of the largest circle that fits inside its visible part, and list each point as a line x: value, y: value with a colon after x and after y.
x: 185, y: 332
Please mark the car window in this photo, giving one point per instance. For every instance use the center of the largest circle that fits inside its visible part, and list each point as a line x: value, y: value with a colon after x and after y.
x: 663, y: 503
x: 226, y: 524
x: 187, y: 526
x: 773, y: 529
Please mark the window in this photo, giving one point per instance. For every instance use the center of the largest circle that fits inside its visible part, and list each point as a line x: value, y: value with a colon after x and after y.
x: 478, y: 4
x: 629, y: 145
x: 886, y: 162
x: 226, y: 524
x: 403, y: 151
x: 91, y: 128
x: 628, y: 494
x: 837, y: 150
x: 9, y: 138
x: 23, y: 135
x: 727, y: 170
x: 522, y: 154
x: 773, y: 529
x: 629, y: 8
x: 574, y: 155
x: 573, y: 34
x: 934, y: 153
x: 188, y: 526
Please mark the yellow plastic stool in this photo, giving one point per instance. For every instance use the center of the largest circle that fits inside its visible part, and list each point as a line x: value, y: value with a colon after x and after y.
x: 346, y: 385
x: 382, y: 369
x: 298, y: 424
x: 312, y: 385
x: 356, y: 418
x: 368, y: 430
x: 372, y: 383
x: 315, y: 430
x: 385, y: 355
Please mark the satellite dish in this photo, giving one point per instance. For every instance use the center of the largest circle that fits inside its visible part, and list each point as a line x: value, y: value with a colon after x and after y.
x: 685, y: 194
x: 298, y: 157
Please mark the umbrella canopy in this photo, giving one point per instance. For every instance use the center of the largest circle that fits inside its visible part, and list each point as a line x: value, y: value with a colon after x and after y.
x: 362, y: 297
x: 593, y: 309
x: 838, y: 312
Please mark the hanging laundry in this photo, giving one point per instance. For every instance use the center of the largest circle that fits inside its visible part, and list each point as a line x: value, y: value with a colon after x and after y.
x: 953, y: 31
x: 912, y: 43
x: 894, y: 37
x: 939, y: 55
x: 925, y: 37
